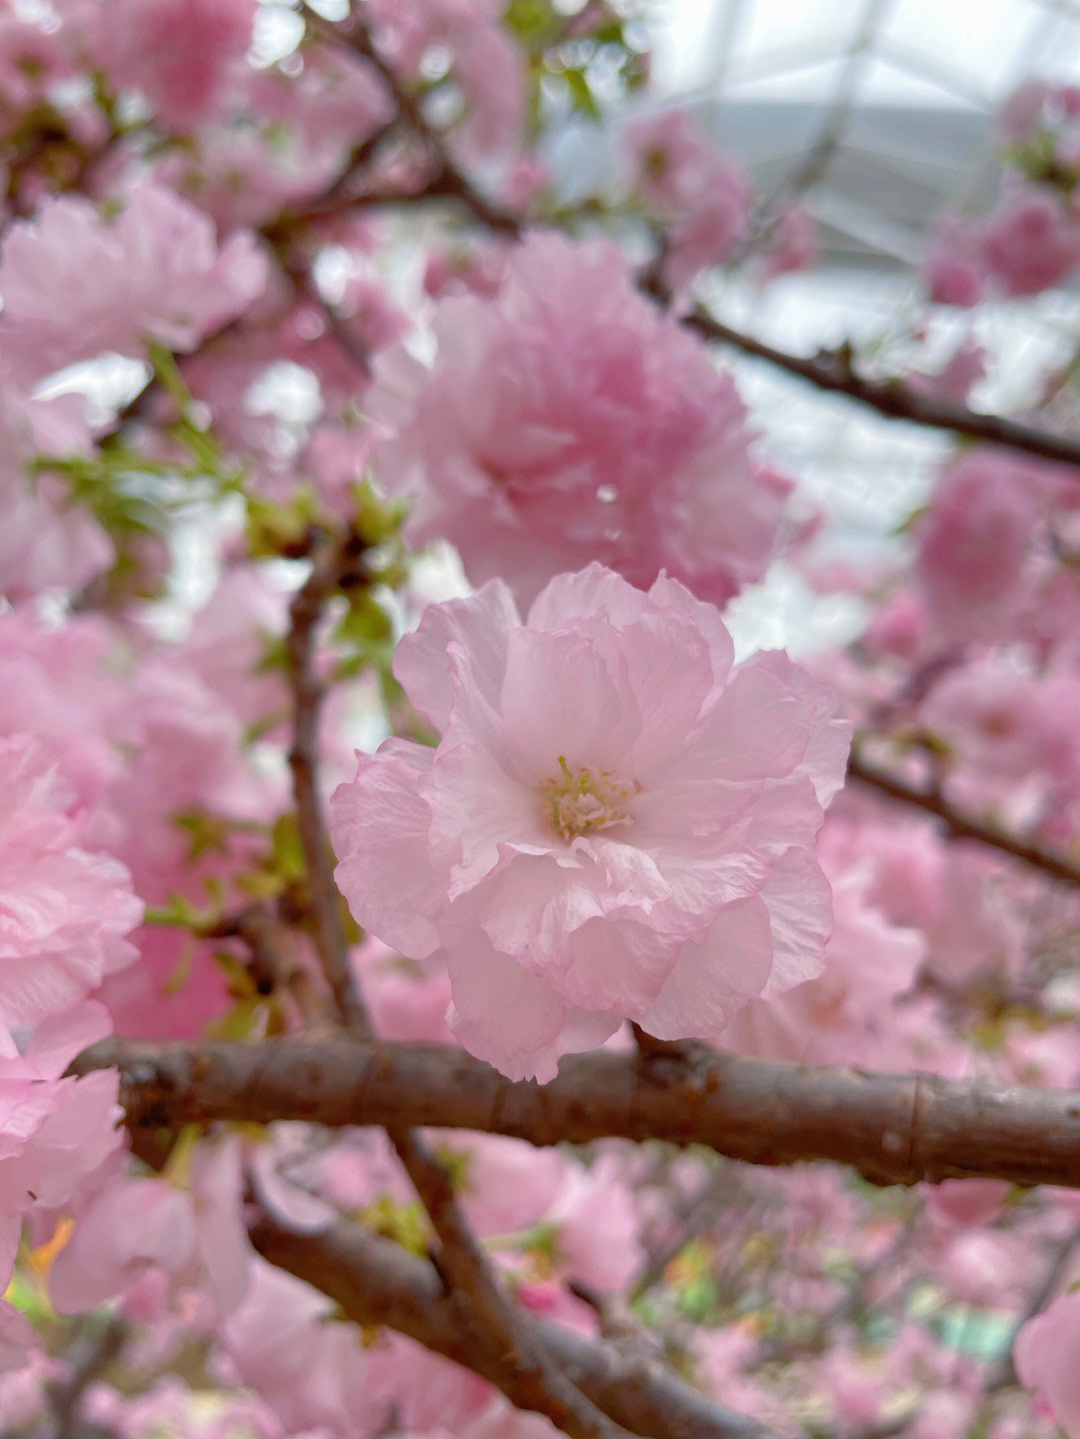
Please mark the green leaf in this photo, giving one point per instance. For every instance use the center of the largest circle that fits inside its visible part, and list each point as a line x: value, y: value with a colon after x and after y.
x: 531, y: 21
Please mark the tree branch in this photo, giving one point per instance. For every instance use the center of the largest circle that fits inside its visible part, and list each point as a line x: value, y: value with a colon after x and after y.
x: 891, y: 398
x: 959, y: 825
x: 893, y: 1128
x: 446, y: 181
x: 493, y: 1325
x: 333, y: 562
x: 833, y: 372
x: 273, y: 964
x: 377, y: 1282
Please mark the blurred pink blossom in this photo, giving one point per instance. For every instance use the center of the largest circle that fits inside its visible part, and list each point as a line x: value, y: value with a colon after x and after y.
x: 177, y: 53
x: 1047, y: 1358
x: 568, y: 420
x: 76, y: 284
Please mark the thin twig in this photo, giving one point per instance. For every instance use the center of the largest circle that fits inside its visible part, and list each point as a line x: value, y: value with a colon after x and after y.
x: 832, y: 372
x: 446, y: 180
x: 502, y: 1339
x: 892, y: 398
x: 273, y: 966
x: 958, y: 824
x: 94, y: 1352
x: 1061, y: 1258
x: 334, y: 563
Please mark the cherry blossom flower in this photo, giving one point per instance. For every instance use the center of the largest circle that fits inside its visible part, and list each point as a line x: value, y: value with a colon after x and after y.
x: 315, y: 1374
x: 478, y: 53
x: 178, y: 53
x: 954, y: 268
x: 700, y: 193
x: 63, y: 910
x: 617, y: 823
x: 976, y: 559
x: 567, y: 420
x: 844, y: 1015
x: 1033, y: 106
x: 46, y: 541
x: 1032, y: 240
x: 161, y: 1242
x: 56, y: 1131
x: 75, y: 285
x: 1045, y: 1354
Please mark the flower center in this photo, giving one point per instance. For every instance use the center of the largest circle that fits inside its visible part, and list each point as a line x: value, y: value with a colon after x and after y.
x: 582, y: 800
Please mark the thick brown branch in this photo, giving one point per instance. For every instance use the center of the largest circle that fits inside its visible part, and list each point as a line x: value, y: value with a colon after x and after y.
x: 894, y: 1128
x: 376, y: 1282
x: 959, y: 825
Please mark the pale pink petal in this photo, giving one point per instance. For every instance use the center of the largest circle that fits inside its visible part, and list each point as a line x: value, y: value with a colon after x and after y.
x: 713, y: 979
x: 380, y: 821
x: 422, y: 661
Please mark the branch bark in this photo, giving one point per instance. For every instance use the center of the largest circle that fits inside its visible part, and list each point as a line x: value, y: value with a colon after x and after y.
x: 958, y: 824
x: 892, y: 398
x: 377, y: 1282
x: 332, y: 563
x: 893, y: 1128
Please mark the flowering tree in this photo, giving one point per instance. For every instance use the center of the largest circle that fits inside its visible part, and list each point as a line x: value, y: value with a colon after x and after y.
x: 508, y: 1012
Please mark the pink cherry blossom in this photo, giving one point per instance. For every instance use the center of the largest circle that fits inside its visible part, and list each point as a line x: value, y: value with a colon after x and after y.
x: 58, y: 684
x: 567, y: 420
x: 75, y: 284
x: 976, y: 540
x: 968, y: 1201
x: 954, y: 379
x: 617, y: 823
x: 1031, y: 241
x: 700, y: 193
x: 791, y: 245
x: 183, y: 1241
x: 1011, y: 736
x: 56, y: 1131
x: 481, y: 56
x: 64, y: 912
x: 954, y: 268
x: 845, y: 1014
x: 1024, y: 112
x: 33, y: 59
x: 315, y: 1373
x: 667, y: 159
x: 176, y: 52
x: 1046, y: 1354
x: 46, y: 541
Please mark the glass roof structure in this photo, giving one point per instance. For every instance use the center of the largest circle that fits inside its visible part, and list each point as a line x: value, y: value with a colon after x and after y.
x: 876, y: 115
x: 877, y: 112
